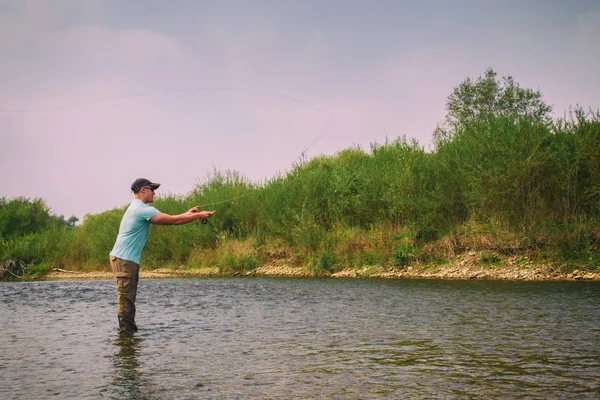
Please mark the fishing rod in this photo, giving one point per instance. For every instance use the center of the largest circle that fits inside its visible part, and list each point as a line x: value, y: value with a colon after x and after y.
x: 205, y: 221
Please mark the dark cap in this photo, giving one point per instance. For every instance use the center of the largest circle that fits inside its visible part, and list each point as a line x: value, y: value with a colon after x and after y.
x: 141, y: 182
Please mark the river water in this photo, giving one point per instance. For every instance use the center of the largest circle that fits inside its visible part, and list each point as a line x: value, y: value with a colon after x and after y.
x: 246, y: 338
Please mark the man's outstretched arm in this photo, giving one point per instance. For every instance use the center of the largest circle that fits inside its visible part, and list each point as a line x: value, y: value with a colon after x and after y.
x: 192, y: 215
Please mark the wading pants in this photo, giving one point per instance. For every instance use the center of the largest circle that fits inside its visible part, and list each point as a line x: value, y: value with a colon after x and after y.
x: 127, y: 275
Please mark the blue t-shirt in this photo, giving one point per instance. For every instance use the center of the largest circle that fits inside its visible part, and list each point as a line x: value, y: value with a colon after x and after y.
x: 133, y: 232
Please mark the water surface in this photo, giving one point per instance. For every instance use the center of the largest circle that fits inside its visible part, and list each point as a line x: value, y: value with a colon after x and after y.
x: 302, y: 338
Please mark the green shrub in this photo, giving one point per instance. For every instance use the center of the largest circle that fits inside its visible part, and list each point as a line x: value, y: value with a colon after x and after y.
x: 489, y: 258
x: 233, y: 265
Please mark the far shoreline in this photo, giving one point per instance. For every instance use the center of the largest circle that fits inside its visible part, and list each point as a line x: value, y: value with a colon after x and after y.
x: 461, y: 270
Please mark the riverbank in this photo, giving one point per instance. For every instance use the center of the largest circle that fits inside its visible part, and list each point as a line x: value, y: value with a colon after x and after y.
x: 464, y: 267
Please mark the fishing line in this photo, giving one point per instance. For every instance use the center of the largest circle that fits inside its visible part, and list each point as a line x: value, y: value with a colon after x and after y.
x: 317, y: 138
x: 169, y: 91
x: 155, y: 92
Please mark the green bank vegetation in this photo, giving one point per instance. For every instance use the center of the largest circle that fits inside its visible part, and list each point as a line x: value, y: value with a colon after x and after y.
x: 503, y: 178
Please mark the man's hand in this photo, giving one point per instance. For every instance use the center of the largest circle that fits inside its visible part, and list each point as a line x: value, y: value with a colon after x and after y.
x: 204, y: 215
x: 201, y: 215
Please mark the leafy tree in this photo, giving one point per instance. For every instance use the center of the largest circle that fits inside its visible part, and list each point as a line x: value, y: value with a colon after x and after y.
x: 60, y: 220
x: 489, y: 97
x: 72, y: 221
x: 21, y: 216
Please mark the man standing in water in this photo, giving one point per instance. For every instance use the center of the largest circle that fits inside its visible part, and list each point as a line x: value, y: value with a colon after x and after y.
x: 133, y: 234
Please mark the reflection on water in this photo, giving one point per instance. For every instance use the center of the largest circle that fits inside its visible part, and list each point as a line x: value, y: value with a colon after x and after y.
x: 127, y: 378
x: 302, y: 338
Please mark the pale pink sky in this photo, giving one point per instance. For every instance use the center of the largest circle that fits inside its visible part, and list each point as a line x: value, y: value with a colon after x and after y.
x: 344, y: 72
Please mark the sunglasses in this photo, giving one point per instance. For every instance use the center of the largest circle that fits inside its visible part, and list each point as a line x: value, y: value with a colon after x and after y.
x: 148, y: 187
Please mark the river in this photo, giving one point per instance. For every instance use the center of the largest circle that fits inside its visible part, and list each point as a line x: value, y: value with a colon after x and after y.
x: 245, y: 338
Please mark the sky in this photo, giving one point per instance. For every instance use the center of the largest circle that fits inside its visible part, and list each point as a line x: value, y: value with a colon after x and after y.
x: 97, y: 93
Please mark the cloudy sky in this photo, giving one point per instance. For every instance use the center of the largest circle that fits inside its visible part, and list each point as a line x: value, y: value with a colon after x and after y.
x: 96, y: 93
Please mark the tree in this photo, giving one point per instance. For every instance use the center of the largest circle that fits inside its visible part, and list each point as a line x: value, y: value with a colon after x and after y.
x: 488, y: 97
x: 21, y: 216
x: 72, y: 221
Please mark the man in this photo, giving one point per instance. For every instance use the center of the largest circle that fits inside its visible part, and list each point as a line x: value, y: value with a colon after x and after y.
x: 133, y: 234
